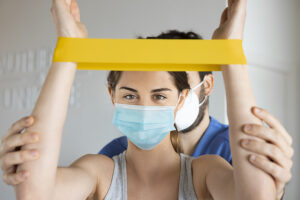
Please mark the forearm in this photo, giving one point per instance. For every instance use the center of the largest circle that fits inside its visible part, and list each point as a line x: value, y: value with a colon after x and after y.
x: 250, y: 182
x: 49, y: 113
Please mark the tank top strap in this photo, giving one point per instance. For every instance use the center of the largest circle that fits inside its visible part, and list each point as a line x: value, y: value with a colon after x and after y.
x: 118, y: 186
x: 186, y: 186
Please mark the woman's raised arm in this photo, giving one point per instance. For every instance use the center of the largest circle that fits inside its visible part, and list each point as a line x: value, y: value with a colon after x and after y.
x: 50, y: 110
x: 249, y: 182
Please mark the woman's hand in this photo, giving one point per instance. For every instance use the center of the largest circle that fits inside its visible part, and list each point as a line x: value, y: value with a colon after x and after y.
x: 275, y: 153
x: 232, y: 21
x: 10, y: 154
x: 66, y: 17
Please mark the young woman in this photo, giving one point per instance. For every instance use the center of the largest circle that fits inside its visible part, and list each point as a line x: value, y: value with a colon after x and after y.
x: 145, y: 106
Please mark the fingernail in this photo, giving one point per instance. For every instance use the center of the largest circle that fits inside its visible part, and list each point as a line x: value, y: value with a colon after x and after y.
x: 246, y: 142
x: 252, y: 157
x: 25, y: 175
x: 257, y: 110
x: 28, y: 120
x: 33, y: 136
x: 33, y: 152
x: 248, y: 128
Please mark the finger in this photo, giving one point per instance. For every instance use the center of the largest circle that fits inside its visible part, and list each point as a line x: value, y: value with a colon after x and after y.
x: 18, y: 157
x: 271, y: 168
x: 269, y: 135
x: 18, y: 126
x: 61, y: 2
x: 75, y: 10
x: 19, y: 140
x: 272, y: 121
x: 269, y: 150
x: 15, y: 178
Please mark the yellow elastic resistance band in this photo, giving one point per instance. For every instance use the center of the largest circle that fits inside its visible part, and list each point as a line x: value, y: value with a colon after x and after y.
x: 149, y: 54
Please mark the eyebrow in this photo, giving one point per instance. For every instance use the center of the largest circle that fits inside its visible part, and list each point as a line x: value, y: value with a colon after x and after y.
x: 153, y: 91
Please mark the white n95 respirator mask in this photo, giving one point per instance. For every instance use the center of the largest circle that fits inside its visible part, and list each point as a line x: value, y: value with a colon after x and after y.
x: 188, y: 113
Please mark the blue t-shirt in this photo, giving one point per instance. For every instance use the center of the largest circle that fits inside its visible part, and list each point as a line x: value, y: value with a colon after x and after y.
x: 215, y: 140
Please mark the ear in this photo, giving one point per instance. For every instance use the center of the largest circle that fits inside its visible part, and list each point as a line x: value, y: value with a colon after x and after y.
x: 111, y: 94
x: 184, y: 93
x: 209, y: 84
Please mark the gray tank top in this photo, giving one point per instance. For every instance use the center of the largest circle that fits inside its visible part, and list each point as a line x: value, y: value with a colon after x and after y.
x: 118, y: 187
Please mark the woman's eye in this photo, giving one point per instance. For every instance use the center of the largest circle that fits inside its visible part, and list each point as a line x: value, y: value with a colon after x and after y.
x: 159, y: 97
x: 129, y: 97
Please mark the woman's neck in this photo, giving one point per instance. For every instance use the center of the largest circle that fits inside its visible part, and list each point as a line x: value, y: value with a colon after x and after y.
x: 151, y: 165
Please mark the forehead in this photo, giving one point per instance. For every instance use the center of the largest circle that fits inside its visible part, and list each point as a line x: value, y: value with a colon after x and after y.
x: 146, y: 80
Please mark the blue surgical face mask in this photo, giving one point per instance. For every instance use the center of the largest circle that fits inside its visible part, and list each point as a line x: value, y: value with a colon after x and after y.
x: 145, y: 126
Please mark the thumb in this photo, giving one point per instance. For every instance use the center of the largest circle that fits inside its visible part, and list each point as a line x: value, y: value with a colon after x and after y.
x: 75, y: 10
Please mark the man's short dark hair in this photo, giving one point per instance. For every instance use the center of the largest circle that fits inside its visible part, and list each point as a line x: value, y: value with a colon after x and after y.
x: 175, y: 34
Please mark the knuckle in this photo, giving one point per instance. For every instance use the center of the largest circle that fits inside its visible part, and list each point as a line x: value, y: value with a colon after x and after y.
x: 21, y: 156
x: 1, y: 165
x: 13, y: 180
x: 4, y: 160
x: 19, y: 177
x: 291, y: 140
x: 254, y: 144
x: 8, y: 145
x: 272, y: 150
x: 4, y: 178
x: 292, y: 152
x: 289, y: 176
x: 3, y: 141
x: 291, y: 165
x: 273, y: 170
x: 23, y: 137
x: 275, y: 135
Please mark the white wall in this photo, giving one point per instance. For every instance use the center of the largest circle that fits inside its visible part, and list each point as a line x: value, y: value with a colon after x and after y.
x: 28, y: 38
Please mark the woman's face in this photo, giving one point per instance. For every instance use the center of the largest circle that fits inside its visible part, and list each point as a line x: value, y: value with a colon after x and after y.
x: 148, y: 89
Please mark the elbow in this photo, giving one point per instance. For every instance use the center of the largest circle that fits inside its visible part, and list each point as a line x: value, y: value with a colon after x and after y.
x: 264, y: 196
x: 22, y: 194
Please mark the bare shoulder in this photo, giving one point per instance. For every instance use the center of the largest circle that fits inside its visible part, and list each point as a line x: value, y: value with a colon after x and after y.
x: 210, y: 173
x: 205, y: 164
x: 94, y: 162
x: 99, y: 166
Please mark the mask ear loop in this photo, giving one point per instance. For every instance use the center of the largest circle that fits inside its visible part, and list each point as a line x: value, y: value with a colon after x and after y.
x: 200, y: 84
x: 202, y: 101
x: 178, y: 100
